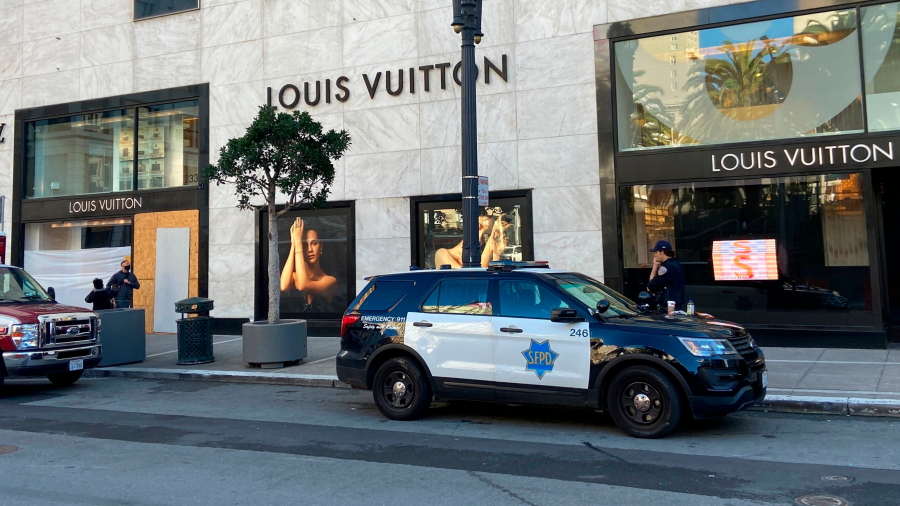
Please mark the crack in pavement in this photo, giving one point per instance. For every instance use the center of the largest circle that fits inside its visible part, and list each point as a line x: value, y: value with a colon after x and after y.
x: 501, y: 488
x: 610, y: 455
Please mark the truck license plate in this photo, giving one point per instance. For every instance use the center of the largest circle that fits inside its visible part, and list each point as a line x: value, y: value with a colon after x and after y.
x: 765, y: 379
x: 76, y: 365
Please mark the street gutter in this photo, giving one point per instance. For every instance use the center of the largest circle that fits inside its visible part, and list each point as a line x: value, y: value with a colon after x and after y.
x: 848, y: 406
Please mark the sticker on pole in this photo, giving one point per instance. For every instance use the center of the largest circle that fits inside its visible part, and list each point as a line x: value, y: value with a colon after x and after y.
x: 482, y: 191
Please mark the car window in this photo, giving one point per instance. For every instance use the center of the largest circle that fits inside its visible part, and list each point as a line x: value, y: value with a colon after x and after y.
x: 466, y: 296
x: 527, y: 299
x: 590, y: 291
x: 431, y: 303
x: 383, y: 295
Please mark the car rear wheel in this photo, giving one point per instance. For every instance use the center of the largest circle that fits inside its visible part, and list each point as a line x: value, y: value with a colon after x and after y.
x: 644, y: 402
x: 64, y: 379
x: 401, y: 390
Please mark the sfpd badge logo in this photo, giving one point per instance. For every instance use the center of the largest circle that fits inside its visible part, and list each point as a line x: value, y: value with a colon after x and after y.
x: 539, y: 358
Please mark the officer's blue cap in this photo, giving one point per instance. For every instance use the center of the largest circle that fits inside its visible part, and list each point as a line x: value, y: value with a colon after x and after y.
x: 662, y: 246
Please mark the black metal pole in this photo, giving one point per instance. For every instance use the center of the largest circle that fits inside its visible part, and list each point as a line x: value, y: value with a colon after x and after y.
x: 471, y: 255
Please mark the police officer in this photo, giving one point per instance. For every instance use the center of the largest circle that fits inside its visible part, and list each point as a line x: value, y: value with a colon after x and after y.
x: 667, y: 277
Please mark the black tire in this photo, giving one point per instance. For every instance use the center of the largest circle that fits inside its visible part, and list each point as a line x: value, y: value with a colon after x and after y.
x: 401, y: 390
x: 64, y: 379
x: 644, y: 402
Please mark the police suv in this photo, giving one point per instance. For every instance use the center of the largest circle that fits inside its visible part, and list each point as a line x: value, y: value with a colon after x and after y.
x: 523, y: 333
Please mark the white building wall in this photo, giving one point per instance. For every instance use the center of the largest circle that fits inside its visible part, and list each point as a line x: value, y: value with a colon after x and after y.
x: 536, y: 131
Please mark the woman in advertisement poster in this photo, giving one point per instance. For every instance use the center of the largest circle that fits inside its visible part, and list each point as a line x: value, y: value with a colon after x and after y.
x: 303, y: 270
x: 492, y: 246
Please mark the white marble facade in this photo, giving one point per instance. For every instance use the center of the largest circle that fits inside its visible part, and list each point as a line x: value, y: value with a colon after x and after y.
x: 536, y: 131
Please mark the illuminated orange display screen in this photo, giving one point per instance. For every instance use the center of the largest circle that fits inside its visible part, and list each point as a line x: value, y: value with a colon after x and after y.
x: 745, y: 260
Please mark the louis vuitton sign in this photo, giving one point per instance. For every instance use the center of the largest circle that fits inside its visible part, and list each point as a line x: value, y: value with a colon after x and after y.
x: 392, y: 82
x: 835, y: 155
x: 106, y: 204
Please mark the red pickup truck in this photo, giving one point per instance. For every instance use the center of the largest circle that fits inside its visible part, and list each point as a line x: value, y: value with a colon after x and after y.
x: 40, y: 337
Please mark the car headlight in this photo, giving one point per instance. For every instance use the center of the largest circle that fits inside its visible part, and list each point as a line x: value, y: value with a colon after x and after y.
x: 25, y: 336
x: 707, y: 347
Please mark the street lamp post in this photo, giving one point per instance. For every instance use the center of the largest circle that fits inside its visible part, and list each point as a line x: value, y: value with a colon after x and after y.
x: 467, y: 20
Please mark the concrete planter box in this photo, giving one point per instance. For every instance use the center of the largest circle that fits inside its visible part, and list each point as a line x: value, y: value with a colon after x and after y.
x: 270, y: 346
x: 122, y: 336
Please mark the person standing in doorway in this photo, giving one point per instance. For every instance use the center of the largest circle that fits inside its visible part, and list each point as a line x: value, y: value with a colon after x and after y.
x: 100, y: 297
x: 123, y: 284
x: 667, y: 277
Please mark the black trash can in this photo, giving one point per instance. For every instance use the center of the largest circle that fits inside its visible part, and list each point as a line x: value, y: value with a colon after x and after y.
x: 195, y: 332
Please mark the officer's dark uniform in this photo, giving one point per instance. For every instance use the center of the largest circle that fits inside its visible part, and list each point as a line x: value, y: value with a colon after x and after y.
x: 669, y: 281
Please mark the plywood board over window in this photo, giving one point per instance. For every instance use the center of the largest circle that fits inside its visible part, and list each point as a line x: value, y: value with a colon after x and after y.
x: 145, y: 236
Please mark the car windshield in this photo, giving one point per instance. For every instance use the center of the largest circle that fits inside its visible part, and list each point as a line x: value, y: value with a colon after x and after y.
x: 18, y: 286
x: 590, y: 291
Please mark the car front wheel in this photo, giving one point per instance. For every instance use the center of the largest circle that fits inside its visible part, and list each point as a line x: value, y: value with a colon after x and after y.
x: 64, y: 379
x: 401, y: 390
x: 644, y: 402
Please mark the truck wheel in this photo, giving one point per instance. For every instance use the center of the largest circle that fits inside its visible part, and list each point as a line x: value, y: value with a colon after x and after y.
x: 644, y: 402
x: 400, y: 389
x: 64, y: 379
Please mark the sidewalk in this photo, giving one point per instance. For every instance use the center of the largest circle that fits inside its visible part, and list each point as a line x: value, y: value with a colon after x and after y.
x: 806, y: 380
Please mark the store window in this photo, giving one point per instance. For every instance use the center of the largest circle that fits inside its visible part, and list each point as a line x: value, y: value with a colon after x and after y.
x: 98, y: 152
x: 775, y: 79
x: 881, y: 56
x: 315, y: 250
x: 168, y: 145
x: 794, y: 247
x: 152, y: 8
x: 504, y: 232
x: 77, y: 155
x: 68, y: 255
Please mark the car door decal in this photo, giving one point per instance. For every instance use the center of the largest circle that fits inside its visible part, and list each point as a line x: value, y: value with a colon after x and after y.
x: 539, y: 358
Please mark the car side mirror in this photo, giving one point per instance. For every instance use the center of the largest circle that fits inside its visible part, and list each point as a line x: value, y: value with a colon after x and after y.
x: 52, y: 293
x: 645, y: 299
x: 565, y: 315
x: 602, y: 306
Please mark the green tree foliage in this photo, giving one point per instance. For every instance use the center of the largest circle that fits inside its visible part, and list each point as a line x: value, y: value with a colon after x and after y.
x: 280, y: 153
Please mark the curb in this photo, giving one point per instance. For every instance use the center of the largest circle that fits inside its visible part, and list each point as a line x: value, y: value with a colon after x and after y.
x: 846, y: 406
x: 303, y: 380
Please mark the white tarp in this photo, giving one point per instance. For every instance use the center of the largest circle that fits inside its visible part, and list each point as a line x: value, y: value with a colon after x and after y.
x: 71, y: 272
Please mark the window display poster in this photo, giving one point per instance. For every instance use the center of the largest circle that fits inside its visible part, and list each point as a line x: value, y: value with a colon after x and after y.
x: 500, y: 235
x: 750, y: 260
x: 313, y: 250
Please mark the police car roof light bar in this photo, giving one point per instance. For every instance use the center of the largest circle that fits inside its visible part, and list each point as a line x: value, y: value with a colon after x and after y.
x: 509, y: 265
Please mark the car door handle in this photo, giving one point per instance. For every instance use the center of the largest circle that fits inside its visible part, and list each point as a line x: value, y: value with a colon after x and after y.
x: 511, y: 330
x: 422, y: 324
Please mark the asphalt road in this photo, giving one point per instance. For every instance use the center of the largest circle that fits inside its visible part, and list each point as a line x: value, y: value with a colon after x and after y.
x: 137, y: 442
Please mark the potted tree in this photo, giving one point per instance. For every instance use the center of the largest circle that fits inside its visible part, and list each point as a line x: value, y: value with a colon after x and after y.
x: 284, y: 157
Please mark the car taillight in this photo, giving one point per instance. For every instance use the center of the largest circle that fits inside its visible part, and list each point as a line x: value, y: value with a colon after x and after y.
x: 346, y: 322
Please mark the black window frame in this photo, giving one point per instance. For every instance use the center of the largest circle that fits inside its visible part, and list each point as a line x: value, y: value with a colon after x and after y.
x: 175, y: 198
x: 200, y: 102
x: 136, y: 17
x: 261, y: 276
x: 418, y: 204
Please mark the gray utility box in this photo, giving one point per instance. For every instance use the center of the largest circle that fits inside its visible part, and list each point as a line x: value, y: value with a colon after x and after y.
x: 122, y: 336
